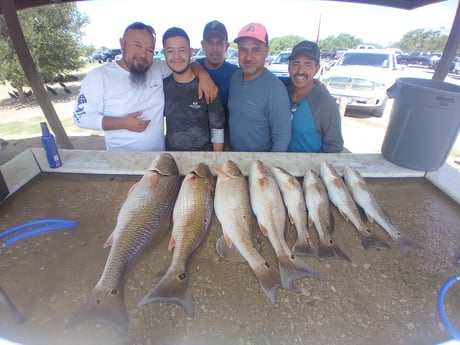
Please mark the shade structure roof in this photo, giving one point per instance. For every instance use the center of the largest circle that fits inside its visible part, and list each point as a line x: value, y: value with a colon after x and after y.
x: 403, y: 4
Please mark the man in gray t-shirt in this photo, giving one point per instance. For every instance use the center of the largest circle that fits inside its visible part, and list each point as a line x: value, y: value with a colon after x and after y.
x: 259, y: 109
x: 191, y: 123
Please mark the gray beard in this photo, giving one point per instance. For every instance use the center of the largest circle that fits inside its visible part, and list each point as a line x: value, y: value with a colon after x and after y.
x: 137, y: 77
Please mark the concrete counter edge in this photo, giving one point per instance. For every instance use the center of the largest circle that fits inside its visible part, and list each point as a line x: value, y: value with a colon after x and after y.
x: 24, y: 167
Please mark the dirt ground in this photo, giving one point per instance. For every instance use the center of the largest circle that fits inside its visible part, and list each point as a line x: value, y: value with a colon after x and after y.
x: 381, y: 297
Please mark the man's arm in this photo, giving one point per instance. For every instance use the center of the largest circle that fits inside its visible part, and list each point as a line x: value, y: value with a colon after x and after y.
x: 280, y: 118
x: 206, y: 85
x: 89, y: 106
x: 216, y: 116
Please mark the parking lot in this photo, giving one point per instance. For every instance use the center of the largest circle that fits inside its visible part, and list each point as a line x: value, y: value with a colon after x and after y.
x: 365, y: 135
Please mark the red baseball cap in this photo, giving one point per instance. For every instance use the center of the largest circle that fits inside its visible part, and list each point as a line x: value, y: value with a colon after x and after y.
x: 253, y: 30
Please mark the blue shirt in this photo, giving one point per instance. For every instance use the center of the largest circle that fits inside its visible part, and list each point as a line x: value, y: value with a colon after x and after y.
x: 305, y: 135
x: 260, y: 117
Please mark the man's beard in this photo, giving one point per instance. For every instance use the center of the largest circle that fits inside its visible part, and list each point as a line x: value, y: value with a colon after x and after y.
x: 138, y: 74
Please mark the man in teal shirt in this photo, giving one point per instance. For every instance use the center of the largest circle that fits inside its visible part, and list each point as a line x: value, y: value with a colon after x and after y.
x: 316, y: 122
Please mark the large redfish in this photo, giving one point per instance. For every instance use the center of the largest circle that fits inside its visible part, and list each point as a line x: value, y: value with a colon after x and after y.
x: 267, y: 204
x: 364, y: 198
x: 140, y: 219
x: 233, y: 210
x: 191, y: 223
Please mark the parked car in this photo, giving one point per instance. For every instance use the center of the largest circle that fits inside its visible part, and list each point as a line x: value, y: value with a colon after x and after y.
x: 279, y: 65
x: 365, y: 46
x: 96, y: 57
x: 415, y: 58
x: 232, y: 56
x: 363, y: 76
x: 435, y: 57
x: 109, y: 54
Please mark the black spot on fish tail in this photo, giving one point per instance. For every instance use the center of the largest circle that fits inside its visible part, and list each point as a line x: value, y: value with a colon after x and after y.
x: 331, y: 251
x: 104, y: 306
x: 305, y: 247
x: 173, y: 288
x: 293, y: 268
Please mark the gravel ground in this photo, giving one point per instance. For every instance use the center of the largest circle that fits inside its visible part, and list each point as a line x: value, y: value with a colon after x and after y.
x: 381, y: 297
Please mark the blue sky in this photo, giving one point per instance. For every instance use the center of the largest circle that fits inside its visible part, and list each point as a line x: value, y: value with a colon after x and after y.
x: 373, y: 24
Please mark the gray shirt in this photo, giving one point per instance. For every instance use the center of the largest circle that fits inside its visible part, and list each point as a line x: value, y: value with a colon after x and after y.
x: 259, y: 114
x: 189, y: 120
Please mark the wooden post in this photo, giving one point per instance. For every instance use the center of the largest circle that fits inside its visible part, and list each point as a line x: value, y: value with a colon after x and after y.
x: 450, y: 48
x: 30, y: 70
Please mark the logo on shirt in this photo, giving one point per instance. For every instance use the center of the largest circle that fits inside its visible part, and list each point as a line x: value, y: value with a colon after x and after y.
x: 80, y: 110
x: 195, y: 105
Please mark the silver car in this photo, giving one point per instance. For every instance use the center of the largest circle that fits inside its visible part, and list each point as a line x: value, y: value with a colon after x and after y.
x: 362, y: 76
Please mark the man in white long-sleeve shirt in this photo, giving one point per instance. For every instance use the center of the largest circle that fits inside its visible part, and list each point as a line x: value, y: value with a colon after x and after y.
x: 125, y: 98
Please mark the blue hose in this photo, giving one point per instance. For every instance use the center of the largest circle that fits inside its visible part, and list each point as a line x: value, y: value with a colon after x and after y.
x: 37, y: 222
x: 52, y: 224
x: 440, y: 303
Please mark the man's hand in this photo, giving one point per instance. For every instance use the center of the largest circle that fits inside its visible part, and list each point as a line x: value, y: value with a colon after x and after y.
x: 131, y: 122
x: 207, y: 87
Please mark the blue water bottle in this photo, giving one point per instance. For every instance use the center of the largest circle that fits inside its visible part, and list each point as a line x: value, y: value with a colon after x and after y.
x: 49, y: 145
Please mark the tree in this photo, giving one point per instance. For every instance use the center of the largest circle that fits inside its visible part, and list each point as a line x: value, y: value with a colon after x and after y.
x: 53, y: 35
x: 331, y: 43
x: 279, y: 44
x: 424, y: 40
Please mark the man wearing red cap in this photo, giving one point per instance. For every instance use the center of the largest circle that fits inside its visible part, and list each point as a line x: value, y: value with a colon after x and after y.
x: 260, y: 118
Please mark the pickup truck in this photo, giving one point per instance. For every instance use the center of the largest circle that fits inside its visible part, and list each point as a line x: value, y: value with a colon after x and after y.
x: 415, y: 58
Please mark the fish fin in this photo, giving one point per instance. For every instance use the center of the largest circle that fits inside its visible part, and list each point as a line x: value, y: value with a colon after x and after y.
x: 269, y: 280
x: 304, y: 246
x: 263, y: 182
x: 291, y: 219
x: 105, y: 307
x: 173, y: 288
x: 369, y: 240
x: 131, y: 189
x: 172, y: 242
x: 228, y: 240
x: 310, y: 221
x: 406, y: 244
x: 293, y: 268
x: 153, y: 180
x: 369, y: 218
x: 263, y: 229
x: 220, y: 171
x: 109, y: 240
x: 330, y: 250
x: 343, y: 215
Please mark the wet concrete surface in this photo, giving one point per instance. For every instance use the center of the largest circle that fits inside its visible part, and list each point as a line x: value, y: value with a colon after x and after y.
x: 381, y: 297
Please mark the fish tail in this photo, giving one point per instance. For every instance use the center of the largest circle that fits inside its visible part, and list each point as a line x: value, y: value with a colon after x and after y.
x: 369, y: 240
x: 407, y: 245
x: 304, y: 247
x: 330, y: 251
x: 103, y: 306
x: 269, y: 279
x: 293, y: 268
x: 173, y: 288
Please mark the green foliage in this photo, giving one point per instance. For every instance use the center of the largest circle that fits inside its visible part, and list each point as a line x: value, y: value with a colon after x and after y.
x: 279, y: 44
x: 424, y: 40
x: 53, y: 36
x: 331, y: 43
